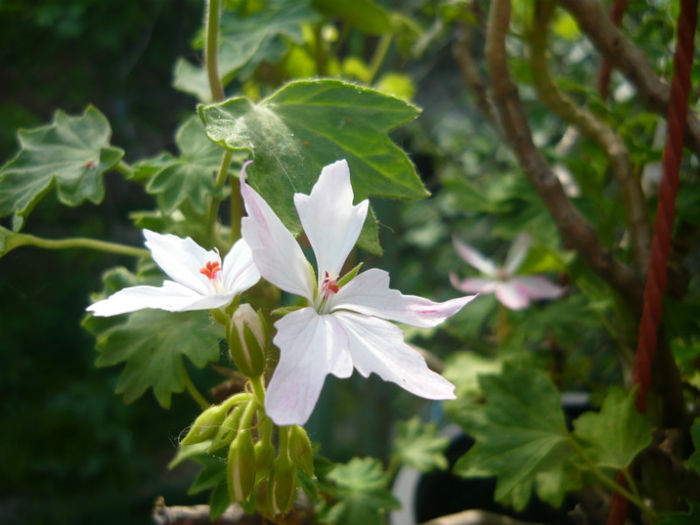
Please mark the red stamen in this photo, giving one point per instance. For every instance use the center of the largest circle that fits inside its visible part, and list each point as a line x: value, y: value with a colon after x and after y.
x: 330, y: 284
x: 211, y: 269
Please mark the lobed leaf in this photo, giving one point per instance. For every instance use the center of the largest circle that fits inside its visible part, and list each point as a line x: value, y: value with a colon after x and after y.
x: 71, y: 154
x: 308, y: 124
x: 418, y: 445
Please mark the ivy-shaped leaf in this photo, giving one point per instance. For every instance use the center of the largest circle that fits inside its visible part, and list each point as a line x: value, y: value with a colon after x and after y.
x: 245, y: 41
x: 418, y: 445
x: 152, y: 343
x: 615, y: 435
x: 308, y: 124
x: 521, y: 437
x: 71, y: 154
x: 188, y: 177
x: 361, y: 496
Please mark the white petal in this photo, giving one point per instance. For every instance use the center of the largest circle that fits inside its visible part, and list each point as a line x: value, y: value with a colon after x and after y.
x: 311, y: 347
x: 330, y: 221
x: 276, y: 254
x: 474, y: 258
x: 537, y: 287
x: 181, y: 259
x: 239, y: 270
x: 172, y: 297
x: 512, y: 296
x: 369, y: 294
x: 473, y: 284
x: 377, y: 346
x: 516, y: 253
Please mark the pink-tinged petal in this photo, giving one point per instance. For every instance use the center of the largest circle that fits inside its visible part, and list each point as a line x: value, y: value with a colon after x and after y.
x: 239, y: 272
x: 311, y: 347
x: 474, y: 258
x: 516, y: 253
x: 276, y: 253
x: 473, y: 284
x: 172, y: 297
x: 330, y: 220
x: 369, y: 294
x: 378, y: 346
x: 537, y: 287
x: 181, y: 259
x: 512, y: 296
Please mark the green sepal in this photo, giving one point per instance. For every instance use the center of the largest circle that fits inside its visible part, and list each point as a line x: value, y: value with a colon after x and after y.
x: 249, y: 352
x: 345, y: 279
x: 300, y: 450
x: 206, y: 425
x: 240, y: 468
x: 284, y: 310
x: 228, y: 430
x: 282, y: 485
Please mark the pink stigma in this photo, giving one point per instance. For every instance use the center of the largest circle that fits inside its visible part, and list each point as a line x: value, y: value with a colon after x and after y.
x: 211, y: 269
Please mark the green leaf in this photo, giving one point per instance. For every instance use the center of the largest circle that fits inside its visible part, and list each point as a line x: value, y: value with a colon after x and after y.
x: 245, y: 41
x: 521, y: 437
x: 694, y: 459
x: 152, y: 343
x: 463, y: 370
x: 417, y: 445
x: 71, y: 154
x: 308, y: 124
x: 190, y: 176
x: 361, y: 494
x: 615, y: 435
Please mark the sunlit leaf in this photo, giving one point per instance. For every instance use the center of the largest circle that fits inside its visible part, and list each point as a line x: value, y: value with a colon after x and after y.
x: 366, y: 15
x: 71, y: 154
x: 521, y: 438
x: 418, y: 445
x: 615, y: 435
x: 308, y: 124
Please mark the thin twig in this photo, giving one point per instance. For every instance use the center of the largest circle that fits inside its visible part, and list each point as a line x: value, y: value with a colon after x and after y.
x: 576, y: 231
x: 597, y: 131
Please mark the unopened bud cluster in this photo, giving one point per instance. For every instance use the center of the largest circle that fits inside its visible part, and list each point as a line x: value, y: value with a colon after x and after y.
x: 259, y: 475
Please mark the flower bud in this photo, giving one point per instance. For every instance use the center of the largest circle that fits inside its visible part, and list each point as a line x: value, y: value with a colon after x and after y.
x: 282, y: 485
x: 300, y: 450
x: 264, y: 455
x: 247, y: 341
x: 206, y: 425
x: 228, y: 429
x: 240, y: 468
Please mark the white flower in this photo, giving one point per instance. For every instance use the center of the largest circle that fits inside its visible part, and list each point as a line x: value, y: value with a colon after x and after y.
x: 343, y: 327
x: 514, y: 292
x: 201, y: 281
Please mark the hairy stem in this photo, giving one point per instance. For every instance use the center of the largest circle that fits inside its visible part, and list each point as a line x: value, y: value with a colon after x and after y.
x: 15, y: 240
x: 211, y: 49
x: 595, y: 130
x: 379, y: 56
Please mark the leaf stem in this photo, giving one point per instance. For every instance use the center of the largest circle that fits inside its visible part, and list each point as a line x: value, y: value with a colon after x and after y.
x: 16, y: 240
x: 192, y: 390
x: 379, y: 56
x: 611, y: 484
x: 211, y: 49
x: 258, y: 389
x: 123, y: 168
x: 214, y: 201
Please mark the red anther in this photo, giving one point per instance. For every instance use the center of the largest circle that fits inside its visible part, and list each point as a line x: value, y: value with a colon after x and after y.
x: 211, y: 269
x: 330, y: 284
x: 90, y: 164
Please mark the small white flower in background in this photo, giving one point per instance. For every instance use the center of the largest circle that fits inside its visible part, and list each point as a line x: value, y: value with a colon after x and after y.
x: 345, y: 325
x: 200, y: 280
x: 513, y: 291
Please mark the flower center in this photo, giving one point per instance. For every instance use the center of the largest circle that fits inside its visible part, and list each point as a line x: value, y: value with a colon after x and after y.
x: 211, y: 269
x: 502, y: 274
x: 329, y: 286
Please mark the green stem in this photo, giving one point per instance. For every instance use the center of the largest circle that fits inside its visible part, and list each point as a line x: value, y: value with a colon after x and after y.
x: 211, y: 49
x: 258, y: 389
x: 15, y: 240
x: 192, y: 390
x: 236, y: 210
x: 284, y: 444
x: 379, y: 56
x: 123, y: 168
x: 247, y: 419
x: 392, y: 469
x: 611, y: 484
x: 214, y: 202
